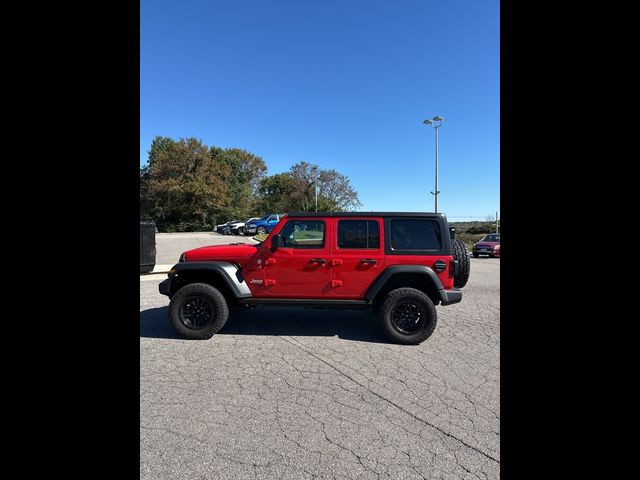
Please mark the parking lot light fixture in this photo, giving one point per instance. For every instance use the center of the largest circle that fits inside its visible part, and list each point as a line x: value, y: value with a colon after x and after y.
x: 436, y: 123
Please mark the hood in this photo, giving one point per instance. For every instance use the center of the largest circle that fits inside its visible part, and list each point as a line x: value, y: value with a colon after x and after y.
x: 230, y: 253
x: 487, y: 244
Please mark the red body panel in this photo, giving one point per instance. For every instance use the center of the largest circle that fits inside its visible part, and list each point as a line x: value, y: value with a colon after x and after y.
x: 230, y: 253
x: 350, y: 277
x: 248, y: 256
x: 290, y: 273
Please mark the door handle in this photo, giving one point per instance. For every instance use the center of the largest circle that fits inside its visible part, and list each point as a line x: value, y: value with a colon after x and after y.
x: 317, y: 260
x: 368, y: 260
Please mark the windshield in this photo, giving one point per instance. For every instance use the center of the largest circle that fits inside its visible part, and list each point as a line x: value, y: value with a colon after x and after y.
x: 492, y: 238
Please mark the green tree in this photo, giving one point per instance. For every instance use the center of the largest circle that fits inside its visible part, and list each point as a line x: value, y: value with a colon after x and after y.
x: 295, y: 190
x: 335, y: 192
x: 183, y: 187
x: 159, y: 145
x: 246, y: 172
x: 274, y: 194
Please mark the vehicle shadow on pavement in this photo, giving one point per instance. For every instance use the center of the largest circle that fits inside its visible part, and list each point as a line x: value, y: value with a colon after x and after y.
x: 154, y: 323
x: 352, y: 325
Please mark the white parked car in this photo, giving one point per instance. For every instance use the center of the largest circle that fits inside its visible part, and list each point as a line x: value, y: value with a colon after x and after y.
x: 237, y: 228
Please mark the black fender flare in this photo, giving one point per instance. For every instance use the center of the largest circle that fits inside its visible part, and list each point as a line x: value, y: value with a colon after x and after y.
x: 379, y: 282
x: 228, y: 271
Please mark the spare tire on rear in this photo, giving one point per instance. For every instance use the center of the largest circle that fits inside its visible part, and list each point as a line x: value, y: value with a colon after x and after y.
x: 459, y: 252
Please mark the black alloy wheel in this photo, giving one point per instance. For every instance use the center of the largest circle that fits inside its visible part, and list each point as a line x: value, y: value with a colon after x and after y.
x: 407, y: 317
x: 196, y: 312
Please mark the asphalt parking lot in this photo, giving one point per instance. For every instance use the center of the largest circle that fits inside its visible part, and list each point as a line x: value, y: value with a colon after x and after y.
x: 302, y: 393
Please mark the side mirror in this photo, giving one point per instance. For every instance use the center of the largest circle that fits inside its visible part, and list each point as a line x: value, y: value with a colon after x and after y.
x: 277, y: 241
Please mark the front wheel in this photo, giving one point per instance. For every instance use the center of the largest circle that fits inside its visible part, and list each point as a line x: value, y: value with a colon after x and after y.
x: 262, y: 230
x: 407, y: 316
x: 198, y: 311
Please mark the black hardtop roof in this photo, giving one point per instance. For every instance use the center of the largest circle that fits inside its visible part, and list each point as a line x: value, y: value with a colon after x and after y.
x: 365, y: 214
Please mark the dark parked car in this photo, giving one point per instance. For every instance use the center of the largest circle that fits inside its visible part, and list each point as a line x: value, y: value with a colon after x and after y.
x: 225, y: 228
x: 489, y: 245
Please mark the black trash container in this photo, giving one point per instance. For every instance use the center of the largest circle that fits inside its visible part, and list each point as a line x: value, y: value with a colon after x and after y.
x: 147, y: 246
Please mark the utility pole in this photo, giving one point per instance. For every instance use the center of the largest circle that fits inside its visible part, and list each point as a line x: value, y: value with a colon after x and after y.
x: 436, y: 123
x: 316, y: 192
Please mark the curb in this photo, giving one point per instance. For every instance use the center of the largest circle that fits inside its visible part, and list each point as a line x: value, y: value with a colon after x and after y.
x: 158, y: 269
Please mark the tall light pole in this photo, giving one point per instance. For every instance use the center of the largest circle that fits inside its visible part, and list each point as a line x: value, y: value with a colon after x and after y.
x: 436, y: 123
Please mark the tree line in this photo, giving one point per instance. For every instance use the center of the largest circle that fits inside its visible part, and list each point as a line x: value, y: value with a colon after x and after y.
x: 188, y: 186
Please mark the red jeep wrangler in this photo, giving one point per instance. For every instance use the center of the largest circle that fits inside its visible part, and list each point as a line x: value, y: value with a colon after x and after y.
x: 399, y: 264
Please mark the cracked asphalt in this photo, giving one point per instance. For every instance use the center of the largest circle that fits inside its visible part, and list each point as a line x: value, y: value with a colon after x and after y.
x: 293, y: 393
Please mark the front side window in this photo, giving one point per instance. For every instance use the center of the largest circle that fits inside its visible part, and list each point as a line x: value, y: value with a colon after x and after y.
x: 415, y: 234
x: 303, y: 234
x: 363, y: 234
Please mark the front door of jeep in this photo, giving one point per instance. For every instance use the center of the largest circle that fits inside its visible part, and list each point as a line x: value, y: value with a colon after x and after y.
x: 301, y: 267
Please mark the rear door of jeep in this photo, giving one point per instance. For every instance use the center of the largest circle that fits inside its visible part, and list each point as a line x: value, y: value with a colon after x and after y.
x: 357, y: 255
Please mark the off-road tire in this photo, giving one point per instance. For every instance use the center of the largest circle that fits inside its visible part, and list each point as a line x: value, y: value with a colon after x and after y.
x: 395, y: 300
x: 199, y: 292
x: 459, y: 251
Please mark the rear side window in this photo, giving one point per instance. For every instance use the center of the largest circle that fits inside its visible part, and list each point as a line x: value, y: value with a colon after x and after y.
x: 361, y: 234
x: 415, y: 234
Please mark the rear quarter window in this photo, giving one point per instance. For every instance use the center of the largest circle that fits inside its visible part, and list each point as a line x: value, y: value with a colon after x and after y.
x: 414, y: 234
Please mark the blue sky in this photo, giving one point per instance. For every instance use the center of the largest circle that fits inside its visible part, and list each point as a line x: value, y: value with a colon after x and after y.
x: 343, y: 84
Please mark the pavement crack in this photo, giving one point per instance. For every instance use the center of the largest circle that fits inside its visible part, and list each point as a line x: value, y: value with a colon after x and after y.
x: 301, y: 346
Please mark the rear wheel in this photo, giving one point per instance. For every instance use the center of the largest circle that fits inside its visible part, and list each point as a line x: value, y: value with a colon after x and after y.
x: 459, y: 251
x: 241, y: 231
x: 407, y: 316
x: 476, y: 255
x: 262, y: 230
x: 198, y: 311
